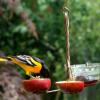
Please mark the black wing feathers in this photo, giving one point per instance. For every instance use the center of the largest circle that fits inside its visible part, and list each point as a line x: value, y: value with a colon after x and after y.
x: 25, y: 59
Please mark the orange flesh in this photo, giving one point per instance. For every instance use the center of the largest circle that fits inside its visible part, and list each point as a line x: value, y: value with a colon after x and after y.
x: 70, y: 86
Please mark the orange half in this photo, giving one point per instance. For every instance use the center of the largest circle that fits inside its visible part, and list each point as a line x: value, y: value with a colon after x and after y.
x: 37, y: 85
x: 70, y: 86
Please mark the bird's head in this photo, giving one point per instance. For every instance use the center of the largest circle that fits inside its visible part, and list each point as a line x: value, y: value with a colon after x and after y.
x: 44, y: 71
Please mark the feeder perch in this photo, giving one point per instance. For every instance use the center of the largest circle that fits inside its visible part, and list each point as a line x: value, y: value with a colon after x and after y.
x: 37, y: 85
x: 91, y: 83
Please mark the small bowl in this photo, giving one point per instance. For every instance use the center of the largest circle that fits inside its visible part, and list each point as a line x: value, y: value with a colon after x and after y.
x: 37, y: 85
x: 70, y: 86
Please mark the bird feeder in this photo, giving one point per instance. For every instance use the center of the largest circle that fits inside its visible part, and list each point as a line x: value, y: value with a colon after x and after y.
x: 89, y: 73
x: 79, y: 76
x: 69, y: 85
x: 37, y: 85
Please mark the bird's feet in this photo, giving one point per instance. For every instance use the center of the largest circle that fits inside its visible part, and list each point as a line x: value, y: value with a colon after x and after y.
x: 37, y: 77
x: 32, y: 77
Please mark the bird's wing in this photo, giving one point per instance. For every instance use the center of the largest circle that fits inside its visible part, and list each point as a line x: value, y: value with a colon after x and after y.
x: 25, y: 59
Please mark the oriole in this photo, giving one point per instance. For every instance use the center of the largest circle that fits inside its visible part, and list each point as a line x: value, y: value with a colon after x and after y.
x: 31, y: 65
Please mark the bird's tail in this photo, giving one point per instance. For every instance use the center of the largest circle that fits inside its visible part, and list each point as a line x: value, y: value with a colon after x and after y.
x: 4, y: 59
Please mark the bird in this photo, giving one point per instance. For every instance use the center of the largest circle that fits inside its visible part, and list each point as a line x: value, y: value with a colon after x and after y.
x: 31, y: 65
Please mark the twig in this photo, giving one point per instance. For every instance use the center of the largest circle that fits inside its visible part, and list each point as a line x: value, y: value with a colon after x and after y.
x: 30, y: 25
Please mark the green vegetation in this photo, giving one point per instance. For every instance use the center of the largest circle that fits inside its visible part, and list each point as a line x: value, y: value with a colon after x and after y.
x: 15, y: 38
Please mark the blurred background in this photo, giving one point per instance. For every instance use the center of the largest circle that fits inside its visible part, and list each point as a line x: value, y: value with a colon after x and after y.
x: 36, y: 28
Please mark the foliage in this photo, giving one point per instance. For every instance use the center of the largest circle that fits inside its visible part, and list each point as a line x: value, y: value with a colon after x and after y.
x: 85, y: 29
x: 48, y: 18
